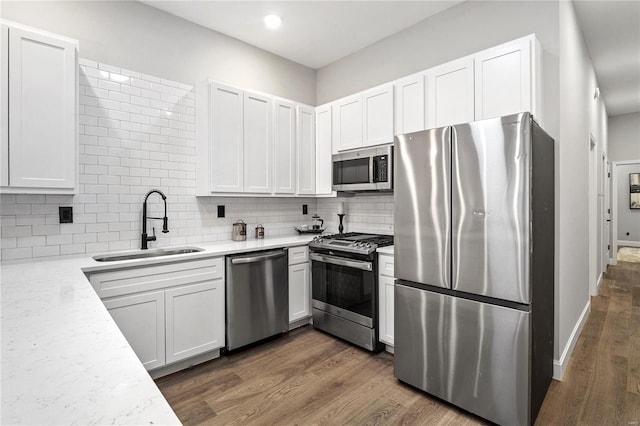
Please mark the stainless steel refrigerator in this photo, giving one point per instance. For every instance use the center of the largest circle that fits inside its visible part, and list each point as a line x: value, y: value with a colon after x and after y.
x: 474, y: 256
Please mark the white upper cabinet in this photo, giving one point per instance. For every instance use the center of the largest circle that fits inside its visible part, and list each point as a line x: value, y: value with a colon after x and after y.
x: 284, y: 147
x: 363, y: 119
x: 507, y: 79
x: 409, y: 104
x: 257, y: 142
x: 227, y: 138
x: 306, y: 150
x: 378, y: 116
x: 450, y: 93
x: 39, y: 112
x: 347, y: 123
x: 323, y: 150
x: 253, y: 143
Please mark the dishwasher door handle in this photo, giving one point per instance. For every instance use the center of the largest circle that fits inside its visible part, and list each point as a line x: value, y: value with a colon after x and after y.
x: 259, y: 258
x: 357, y: 264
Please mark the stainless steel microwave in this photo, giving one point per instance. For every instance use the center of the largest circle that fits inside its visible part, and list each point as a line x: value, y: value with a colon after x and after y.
x: 367, y: 169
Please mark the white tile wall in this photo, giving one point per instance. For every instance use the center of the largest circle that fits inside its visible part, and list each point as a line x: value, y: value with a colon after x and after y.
x: 136, y: 133
x: 363, y: 213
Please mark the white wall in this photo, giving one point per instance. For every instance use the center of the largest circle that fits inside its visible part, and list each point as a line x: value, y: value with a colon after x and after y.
x: 461, y: 30
x: 628, y: 220
x: 576, y: 169
x: 136, y: 133
x: 135, y: 36
x: 624, y: 137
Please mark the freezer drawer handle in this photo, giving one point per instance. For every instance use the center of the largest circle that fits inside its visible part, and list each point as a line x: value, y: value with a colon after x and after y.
x: 365, y: 266
x: 254, y: 259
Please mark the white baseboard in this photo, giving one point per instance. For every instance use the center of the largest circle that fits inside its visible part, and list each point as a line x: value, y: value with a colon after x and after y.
x: 559, y: 366
x: 622, y: 243
x: 599, y: 283
x: 389, y: 349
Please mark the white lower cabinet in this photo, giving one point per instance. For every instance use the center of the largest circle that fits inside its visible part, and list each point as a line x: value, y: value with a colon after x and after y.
x: 192, y: 319
x: 386, y: 288
x: 140, y: 318
x: 299, y: 283
x: 167, y: 312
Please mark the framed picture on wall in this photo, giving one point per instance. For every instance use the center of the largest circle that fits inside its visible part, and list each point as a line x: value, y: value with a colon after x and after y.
x: 634, y: 190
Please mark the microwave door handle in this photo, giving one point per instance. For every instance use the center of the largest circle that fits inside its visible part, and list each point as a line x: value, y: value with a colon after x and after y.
x: 357, y: 264
x: 371, y: 166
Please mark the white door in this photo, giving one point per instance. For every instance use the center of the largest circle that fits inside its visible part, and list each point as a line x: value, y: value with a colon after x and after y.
x: 140, y: 318
x: 503, y: 79
x: 450, y: 93
x: 284, y: 146
x: 42, y: 111
x: 606, y: 214
x: 195, y: 319
x: 347, y: 123
x: 377, y: 126
x: 227, y: 138
x: 306, y: 150
x: 299, y: 292
x: 257, y: 142
x: 410, y: 103
x: 323, y: 150
x: 386, y: 290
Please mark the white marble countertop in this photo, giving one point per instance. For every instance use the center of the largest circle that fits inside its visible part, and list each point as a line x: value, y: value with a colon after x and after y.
x: 64, y: 360
x: 385, y: 250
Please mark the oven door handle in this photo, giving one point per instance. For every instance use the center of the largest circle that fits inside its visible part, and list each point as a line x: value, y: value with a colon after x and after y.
x: 340, y: 261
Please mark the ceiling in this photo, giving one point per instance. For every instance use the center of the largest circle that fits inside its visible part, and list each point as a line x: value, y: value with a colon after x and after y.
x: 313, y: 33
x: 612, y: 32
x: 317, y: 33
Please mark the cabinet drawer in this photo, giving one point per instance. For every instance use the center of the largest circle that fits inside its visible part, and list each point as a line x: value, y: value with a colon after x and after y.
x: 133, y: 280
x: 298, y: 254
x: 385, y: 265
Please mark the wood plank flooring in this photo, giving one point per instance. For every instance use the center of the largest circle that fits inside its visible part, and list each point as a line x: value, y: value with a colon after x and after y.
x: 602, y: 383
x: 311, y: 378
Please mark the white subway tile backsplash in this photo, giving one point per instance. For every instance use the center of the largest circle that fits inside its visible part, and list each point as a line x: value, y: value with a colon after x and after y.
x: 46, y: 251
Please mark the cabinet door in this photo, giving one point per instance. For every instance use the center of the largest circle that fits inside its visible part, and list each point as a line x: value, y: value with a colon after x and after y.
x: 386, y: 290
x: 141, y: 320
x: 42, y: 111
x: 503, y: 79
x: 299, y: 292
x: 378, y: 116
x: 257, y: 142
x: 450, y: 93
x: 323, y: 150
x: 226, y: 127
x: 306, y: 151
x: 347, y: 123
x: 284, y: 146
x: 195, y: 319
x: 410, y: 101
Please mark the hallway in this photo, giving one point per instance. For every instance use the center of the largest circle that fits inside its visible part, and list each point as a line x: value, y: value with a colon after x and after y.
x: 602, y: 383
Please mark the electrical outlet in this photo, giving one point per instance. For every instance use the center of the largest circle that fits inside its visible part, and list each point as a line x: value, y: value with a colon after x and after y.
x: 65, y: 214
x: 305, y: 209
x: 220, y: 211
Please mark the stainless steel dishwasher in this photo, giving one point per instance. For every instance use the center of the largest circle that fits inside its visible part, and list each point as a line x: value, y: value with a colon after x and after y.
x: 257, y: 296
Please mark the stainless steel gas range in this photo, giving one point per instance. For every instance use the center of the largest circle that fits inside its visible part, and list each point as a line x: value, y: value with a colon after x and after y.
x: 344, y: 282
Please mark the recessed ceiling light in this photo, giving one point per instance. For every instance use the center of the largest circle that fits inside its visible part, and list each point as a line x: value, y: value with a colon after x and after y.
x: 272, y: 22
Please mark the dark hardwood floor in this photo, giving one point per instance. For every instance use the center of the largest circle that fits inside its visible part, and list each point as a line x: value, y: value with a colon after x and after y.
x: 309, y: 378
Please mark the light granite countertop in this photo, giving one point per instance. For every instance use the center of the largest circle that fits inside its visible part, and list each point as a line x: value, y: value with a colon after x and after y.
x: 385, y: 250
x: 64, y: 360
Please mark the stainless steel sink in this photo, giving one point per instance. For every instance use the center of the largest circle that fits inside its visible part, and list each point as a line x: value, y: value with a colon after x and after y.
x: 142, y: 254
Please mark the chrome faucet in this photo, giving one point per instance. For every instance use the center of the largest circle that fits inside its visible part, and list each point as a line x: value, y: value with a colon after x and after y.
x: 165, y: 225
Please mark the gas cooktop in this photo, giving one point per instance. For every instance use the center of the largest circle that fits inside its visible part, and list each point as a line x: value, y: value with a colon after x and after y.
x: 352, y: 242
